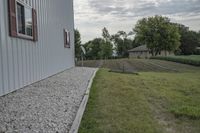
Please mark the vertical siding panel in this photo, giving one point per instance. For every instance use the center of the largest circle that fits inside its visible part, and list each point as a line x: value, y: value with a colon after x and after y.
x: 37, y: 66
x: 28, y: 63
x: 15, y: 65
x: 23, y: 62
x: 40, y: 40
x: 20, y: 61
x: 40, y: 36
x: 1, y: 62
x: 28, y: 70
x: 1, y: 74
x: 22, y: 44
x: 37, y: 51
x: 47, y: 43
x: 31, y: 63
x: 10, y: 66
x: 9, y: 54
x: 13, y: 69
x: 5, y: 69
x: 39, y: 57
x: 44, y: 38
x: 36, y: 63
x: 39, y: 48
x: 40, y: 43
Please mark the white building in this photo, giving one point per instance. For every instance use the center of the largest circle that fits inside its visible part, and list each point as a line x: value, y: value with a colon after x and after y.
x: 36, y: 41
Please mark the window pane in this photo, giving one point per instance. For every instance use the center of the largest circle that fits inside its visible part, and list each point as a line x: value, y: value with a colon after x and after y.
x: 20, y: 18
x: 68, y: 38
x: 28, y: 21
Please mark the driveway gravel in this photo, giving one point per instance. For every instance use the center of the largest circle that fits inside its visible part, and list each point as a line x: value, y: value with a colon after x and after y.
x: 48, y: 106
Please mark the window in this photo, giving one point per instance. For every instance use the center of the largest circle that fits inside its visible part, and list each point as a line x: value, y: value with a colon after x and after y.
x: 66, y: 38
x: 20, y: 19
x: 24, y: 20
x: 28, y: 22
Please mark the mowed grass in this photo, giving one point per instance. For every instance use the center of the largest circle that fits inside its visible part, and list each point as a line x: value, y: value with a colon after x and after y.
x: 151, y: 102
x: 140, y: 65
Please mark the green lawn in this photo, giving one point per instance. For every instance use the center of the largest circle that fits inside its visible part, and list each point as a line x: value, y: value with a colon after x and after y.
x: 140, y: 65
x: 151, y: 102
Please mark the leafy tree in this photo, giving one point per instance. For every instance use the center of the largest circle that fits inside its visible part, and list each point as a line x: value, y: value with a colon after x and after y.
x: 122, y: 43
x: 106, y: 35
x: 99, y: 48
x: 106, y: 50
x: 93, y: 48
x: 199, y: 38
x: 106, y: 47
x: 158, y: 34
x: 77, y: 44
x: 189, y: 40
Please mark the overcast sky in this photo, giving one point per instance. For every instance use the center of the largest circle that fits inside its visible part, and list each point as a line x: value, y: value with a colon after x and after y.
x: 92, y: 15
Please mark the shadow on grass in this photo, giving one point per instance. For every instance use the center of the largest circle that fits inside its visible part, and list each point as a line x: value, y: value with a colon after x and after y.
x: 123, y: 72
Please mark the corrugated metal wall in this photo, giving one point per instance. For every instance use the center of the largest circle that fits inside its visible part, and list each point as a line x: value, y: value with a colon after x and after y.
x: 23, y: 62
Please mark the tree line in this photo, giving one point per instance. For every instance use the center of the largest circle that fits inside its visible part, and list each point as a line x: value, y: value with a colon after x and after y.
x: 157, y: 32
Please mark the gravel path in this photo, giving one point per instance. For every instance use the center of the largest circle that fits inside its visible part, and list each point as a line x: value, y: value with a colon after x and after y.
x: 48, y: 106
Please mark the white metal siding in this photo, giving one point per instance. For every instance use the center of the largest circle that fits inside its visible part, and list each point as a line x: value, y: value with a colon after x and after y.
x: 23, y: 62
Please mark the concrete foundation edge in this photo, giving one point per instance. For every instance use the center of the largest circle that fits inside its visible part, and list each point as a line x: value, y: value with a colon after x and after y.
x: 81, y: 110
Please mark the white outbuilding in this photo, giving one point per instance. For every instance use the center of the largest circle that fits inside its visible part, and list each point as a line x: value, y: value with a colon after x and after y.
x: 36, y: 41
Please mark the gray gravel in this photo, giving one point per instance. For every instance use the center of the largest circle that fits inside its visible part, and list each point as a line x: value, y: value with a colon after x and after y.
x: 48, y: 106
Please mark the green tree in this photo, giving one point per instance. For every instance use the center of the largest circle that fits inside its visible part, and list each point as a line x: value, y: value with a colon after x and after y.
x: 199, y: 38
x: 77, y: 43
x: 106, y: 50
x: 106, y: 35
x: 158, y: 33
x: 122, y: 43
x: 189, y: 40
x: 93, y: 48
x: 106, y: 47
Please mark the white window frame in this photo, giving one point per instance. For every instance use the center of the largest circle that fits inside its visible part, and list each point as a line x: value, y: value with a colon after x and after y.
x: 25, y: 6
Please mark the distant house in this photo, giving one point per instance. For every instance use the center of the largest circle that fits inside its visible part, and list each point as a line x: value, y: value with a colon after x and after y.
x: 144, y: 52
x: 36, y: 41
x: 197, y: 51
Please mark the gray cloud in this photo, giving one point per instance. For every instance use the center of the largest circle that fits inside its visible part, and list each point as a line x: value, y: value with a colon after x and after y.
x: 123, y: 14
x: 139, y: 8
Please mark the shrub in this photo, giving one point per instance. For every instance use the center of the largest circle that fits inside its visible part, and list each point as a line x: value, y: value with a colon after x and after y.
x: 179, y: 60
